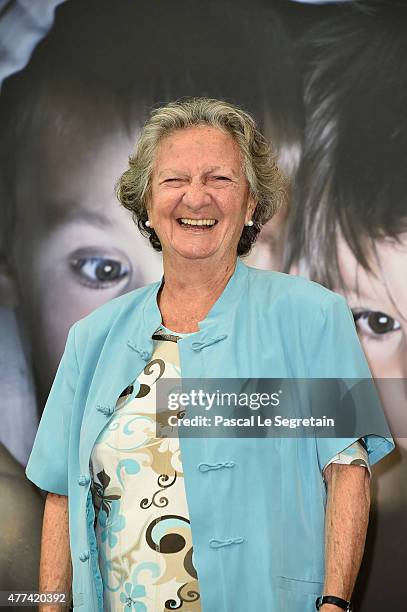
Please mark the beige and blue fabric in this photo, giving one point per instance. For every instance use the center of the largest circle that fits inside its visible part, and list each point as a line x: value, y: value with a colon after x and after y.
x: 142, y: 525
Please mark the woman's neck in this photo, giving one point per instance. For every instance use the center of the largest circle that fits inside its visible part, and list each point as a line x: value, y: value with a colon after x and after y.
x: 190, y: 290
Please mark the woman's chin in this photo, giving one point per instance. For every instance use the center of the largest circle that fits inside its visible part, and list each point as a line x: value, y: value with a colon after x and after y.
x: 196, y: 253
x: 197, y: 256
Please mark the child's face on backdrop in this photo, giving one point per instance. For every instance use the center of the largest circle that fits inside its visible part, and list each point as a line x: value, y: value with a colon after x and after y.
x: 382, y: 326
x: 75, y: 247
x: 381, y: 301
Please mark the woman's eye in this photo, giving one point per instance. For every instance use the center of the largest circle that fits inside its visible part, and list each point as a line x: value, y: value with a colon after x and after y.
x: 374, y: 323
x: 221, y: 178
x: 99, y: 272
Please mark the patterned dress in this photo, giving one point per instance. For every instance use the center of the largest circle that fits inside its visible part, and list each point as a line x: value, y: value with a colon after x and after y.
x: 142, y: 522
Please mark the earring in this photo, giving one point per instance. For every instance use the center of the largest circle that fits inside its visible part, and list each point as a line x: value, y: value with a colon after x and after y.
x: 249, y: 223
x: 147, y: 223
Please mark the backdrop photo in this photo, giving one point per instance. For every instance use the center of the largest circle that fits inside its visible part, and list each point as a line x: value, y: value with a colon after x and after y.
x: 327, y: 84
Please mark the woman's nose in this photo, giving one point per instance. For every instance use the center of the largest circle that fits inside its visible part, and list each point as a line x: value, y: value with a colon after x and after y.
x: 196, y: 195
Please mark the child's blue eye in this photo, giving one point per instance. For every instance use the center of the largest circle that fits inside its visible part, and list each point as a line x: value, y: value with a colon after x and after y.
x: 98, y: 272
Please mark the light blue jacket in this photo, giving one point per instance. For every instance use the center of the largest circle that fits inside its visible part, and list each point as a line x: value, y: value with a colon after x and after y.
x: 258, y: 527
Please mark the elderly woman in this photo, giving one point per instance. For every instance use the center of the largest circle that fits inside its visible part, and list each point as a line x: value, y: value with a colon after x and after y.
x: 205, y: 523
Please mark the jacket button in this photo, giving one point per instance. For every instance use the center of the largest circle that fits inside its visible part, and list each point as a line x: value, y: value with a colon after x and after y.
x: 83, y: 480
x: 84, y: 556
x: 106, y: 410
x: 145, y: 355
x: 206, y: 467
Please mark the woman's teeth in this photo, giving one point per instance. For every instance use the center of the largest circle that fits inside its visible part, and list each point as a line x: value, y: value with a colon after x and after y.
x: 198, y: 221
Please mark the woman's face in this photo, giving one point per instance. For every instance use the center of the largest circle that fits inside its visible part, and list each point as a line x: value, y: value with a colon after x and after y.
x: 380, y: 304
x: 198, y: 175
x: 75, y: 247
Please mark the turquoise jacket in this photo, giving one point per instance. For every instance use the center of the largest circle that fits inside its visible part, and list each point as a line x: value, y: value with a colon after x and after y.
x: 258, y: 528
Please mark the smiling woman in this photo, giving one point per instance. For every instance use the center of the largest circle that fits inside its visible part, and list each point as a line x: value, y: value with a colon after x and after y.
x: 148, y: 524
x: 67, y: 124
x: 202, y: 182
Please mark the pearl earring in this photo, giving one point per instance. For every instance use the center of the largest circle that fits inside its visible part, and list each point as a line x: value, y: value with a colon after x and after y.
x: 147, y: 223
x: 249, y: 223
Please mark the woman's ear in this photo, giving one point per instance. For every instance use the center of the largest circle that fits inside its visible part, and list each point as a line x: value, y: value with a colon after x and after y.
x: 9, y: 295
x: 251, y: 207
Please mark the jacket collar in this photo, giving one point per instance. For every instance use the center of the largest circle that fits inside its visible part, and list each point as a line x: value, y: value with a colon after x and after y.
x: 220, y: 313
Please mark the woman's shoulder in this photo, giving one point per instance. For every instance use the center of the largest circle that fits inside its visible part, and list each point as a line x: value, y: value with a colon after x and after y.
x: 101, y: 319
x: 281, y: 287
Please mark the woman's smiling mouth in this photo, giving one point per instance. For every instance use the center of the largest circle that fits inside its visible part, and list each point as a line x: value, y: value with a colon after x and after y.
x: 197, y: 224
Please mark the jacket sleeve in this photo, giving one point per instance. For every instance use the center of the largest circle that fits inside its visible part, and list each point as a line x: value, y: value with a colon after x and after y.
x: 337, y: 354
x: 48, y: 463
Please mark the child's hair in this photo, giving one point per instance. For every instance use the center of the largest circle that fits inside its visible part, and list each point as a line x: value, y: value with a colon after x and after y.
x: 110, y: 63
x: 352, y: 177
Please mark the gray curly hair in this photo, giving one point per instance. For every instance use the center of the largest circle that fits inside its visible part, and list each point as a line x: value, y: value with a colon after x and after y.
x: 266, y: 181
